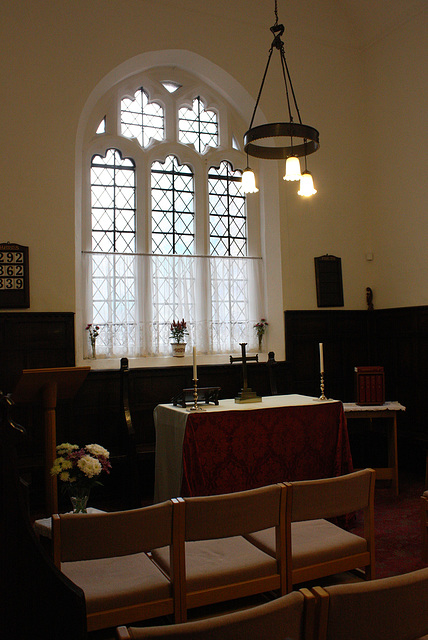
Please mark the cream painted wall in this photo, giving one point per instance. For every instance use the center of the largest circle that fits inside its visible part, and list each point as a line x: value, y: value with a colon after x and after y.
x: 54, y: 52
x: 397, y: 99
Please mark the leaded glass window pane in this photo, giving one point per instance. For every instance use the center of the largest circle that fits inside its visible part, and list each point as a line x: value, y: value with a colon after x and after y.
x: 101, y: 127
x: 113, y: 203
x: 171, y: 87
x: 198, y: 126
x: 142, y: 119
x: 114, y: 298
x: 172, y: 207
x: 228, y: 222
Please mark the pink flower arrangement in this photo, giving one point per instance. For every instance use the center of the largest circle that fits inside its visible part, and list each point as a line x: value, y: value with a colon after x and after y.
x: 94, y: 332
x: 260, y: 328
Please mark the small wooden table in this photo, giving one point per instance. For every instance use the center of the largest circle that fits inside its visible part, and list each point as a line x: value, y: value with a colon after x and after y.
x: 386, y: 410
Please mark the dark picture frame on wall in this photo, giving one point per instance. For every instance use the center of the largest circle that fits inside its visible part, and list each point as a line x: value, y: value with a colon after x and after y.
x: 328, y: 275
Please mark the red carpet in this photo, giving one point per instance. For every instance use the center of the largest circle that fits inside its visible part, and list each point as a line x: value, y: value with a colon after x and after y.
x: 397, y: 528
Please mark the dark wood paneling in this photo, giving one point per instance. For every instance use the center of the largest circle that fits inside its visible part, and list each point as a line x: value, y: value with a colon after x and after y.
x: 396, y: 339
x: 345, y: 336
x: 95, y: 414
x: 33, y: 341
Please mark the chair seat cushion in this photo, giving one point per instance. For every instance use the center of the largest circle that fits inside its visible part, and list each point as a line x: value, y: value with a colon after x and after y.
x: 312, y: 542
x: 214, y: 563
x: 116, y: 582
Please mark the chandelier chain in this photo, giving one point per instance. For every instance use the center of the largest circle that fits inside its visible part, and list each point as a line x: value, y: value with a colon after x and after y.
x: 276, y: 131
x: 261, y: 86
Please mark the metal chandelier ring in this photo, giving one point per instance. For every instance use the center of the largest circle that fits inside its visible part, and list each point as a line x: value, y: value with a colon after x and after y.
x: 308, y: 134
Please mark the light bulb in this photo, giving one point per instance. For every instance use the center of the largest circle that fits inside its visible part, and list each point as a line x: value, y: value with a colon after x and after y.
x: 249, y: 181
x: 292, y: 169
x: 306, y: 185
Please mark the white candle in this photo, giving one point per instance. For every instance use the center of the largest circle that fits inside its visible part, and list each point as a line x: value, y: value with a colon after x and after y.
x: 195, y: 371
x: 321, y: 357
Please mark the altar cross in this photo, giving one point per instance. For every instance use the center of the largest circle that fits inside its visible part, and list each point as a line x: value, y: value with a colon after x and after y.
x: 246, y: 394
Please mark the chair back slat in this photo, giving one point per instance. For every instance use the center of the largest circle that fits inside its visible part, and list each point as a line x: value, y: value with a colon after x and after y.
x: 331, y: 497
x: 382, y: 609
x: 277, y: 620
x: 120, y: 533
x: 233, y: 514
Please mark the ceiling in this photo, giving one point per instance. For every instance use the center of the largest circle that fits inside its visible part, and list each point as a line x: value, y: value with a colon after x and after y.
x: 371, y: 20
x: 356, y: 24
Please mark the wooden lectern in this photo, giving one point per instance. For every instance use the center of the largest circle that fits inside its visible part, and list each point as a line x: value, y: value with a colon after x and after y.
x: 52, y: 385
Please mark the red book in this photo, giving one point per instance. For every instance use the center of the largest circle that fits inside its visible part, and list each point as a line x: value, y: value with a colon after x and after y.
x: 369, y: 385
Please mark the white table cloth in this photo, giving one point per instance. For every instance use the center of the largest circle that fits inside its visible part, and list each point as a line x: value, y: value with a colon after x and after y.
x: 170, y: 424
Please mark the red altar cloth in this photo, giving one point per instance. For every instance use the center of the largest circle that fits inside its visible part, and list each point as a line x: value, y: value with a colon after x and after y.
x: 238, y: 450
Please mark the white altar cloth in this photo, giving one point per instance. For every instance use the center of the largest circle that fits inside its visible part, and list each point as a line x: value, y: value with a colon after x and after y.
x: 170, y: 425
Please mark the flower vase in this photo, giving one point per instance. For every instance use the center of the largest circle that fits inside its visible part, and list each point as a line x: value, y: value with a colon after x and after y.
x: 260, y: 342
x: 94, y: 353
x: 178, y: 349
x: 80, y: 502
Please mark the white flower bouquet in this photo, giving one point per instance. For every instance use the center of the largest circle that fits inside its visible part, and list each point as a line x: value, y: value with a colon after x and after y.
x: 79, y: 469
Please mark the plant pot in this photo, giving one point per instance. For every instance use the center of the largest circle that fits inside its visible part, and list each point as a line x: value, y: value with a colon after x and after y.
x: 178, y: 349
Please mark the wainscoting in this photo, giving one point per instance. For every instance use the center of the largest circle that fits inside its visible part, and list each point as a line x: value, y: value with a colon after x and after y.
x: 396, y: 339
x: 96, y: 413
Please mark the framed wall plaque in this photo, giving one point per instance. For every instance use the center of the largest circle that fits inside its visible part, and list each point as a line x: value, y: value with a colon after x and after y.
x: 328, y: 274
x: 14, y: 276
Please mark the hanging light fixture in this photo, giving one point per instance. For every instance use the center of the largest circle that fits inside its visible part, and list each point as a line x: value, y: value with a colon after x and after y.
x: 306, y: 184
x: 270, y: 140
x: 292, y: 169
x: 249, y: 180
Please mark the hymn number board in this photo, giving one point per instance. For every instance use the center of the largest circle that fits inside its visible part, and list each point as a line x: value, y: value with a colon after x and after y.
x: 14, y: 280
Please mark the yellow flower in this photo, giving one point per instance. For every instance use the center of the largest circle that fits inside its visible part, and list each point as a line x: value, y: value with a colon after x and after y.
x: 65, y: 448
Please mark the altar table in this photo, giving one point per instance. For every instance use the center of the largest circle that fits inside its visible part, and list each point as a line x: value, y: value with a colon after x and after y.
x: 234, y: 447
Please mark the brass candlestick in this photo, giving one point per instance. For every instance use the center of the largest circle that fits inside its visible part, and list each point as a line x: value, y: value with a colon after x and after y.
x: 322, y: 396
x: 195, y: 406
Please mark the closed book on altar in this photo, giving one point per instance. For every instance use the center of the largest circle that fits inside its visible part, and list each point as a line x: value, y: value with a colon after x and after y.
x: 369, y: 385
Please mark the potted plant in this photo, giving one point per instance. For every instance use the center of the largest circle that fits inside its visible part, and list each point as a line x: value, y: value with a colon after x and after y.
x: 178, y: 331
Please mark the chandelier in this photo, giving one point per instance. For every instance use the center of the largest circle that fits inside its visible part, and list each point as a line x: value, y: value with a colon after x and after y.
x: 289, y: 140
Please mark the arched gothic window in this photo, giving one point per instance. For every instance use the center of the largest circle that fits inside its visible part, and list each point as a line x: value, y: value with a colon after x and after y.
x: 166, y: 229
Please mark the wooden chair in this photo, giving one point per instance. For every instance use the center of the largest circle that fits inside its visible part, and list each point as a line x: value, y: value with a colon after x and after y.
x: 290, y: 616
x: 218, y: 563
x: 106, y: 555
x: 394, y: 607
x: 317, y: 547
